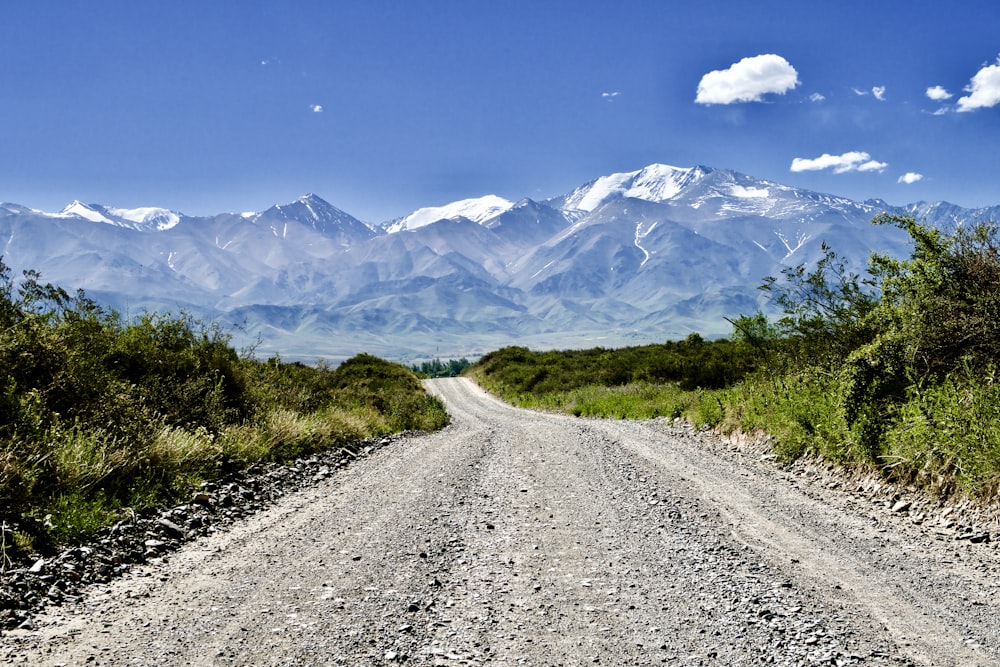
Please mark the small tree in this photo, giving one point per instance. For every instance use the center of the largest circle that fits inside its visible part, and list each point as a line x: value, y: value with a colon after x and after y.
x: 826, y: 310
x: 944, y: 301
x: 756, y: 332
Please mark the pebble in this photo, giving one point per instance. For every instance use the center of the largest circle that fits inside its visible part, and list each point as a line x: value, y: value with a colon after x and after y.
x: 26, y: 588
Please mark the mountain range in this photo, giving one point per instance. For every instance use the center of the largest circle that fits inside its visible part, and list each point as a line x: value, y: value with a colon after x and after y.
x: 627, y: 258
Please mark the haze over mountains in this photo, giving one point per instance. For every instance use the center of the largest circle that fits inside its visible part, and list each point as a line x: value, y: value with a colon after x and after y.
x: 628, y: 258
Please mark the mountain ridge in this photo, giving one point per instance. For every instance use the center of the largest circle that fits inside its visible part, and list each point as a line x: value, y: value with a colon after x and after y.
x: 628, y: 257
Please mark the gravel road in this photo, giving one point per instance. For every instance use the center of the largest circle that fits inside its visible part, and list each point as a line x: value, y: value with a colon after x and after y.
x: 522, y: 538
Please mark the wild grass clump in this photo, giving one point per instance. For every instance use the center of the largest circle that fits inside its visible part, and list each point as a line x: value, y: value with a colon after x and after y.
x: 946, y: 435
x: 799, y: 410
x: 99, y: 415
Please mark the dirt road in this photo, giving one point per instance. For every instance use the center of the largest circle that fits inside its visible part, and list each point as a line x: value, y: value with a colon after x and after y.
x: 514, y: 537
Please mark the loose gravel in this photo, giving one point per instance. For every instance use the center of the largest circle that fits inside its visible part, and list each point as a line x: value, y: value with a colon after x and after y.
x: 524, y: 538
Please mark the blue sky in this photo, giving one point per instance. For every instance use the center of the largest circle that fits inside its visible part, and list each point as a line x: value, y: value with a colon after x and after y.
x: 385, y: 107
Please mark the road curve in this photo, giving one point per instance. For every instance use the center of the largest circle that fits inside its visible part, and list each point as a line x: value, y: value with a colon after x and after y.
x: 515, y: 537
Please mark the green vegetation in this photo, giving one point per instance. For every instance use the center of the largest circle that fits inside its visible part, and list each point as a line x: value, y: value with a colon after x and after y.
x: 628, y: 383
x: 441, y: 369
x: 895, y: 369
x: 99, y: 415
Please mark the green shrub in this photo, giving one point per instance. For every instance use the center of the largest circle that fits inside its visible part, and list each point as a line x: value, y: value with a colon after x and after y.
x: 70, y: 517
x: 440, y: 369
x: 912, y: 348
x: 692, y: 363
x: 98, y: 414
x: 710, y: 410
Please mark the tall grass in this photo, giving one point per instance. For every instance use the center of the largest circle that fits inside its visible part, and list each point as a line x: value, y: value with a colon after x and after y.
x: 799, y: 410
x: 947, y: 435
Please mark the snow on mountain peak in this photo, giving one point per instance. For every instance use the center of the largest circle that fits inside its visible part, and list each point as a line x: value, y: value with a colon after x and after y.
x: 742, y: 192
x: 655, y: 183
x: 312, y: 202
x: 313, y: 210
x: 319, y: 209
x: 478, y: 209
x: 147, y: 217
x: 319, y: 214
x: 81, y: 210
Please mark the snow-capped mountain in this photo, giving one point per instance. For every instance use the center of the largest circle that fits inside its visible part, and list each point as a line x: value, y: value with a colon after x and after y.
x: 655, y: 183
x: 632, y: 257
x: 477, y: 210
x: 147, y: 218
x: 322, y: 216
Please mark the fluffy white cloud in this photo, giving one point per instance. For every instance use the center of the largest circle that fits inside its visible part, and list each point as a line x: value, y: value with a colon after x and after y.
x: 316, y: 108
x: 610, y: 96
x: 816, y: 97
x: 841, y: 164
x: 871, y: 165
x: 984, y: 89
x: 910, y: 177
x: 938, y: 93
x: 748, y: 80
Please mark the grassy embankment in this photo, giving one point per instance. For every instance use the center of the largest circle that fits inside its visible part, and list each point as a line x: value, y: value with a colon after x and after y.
x: 895, y: 370
x: 101, y: 416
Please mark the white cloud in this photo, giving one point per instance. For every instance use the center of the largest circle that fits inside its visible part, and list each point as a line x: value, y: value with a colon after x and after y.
x: 871, y: 165
x: 984, y: 89
x: 938, y: 93
x: 816, y: 97
x: 316, y: 108
x: 748, y: 80
x: 910, y: 177
x: 610, y: 96
x: 877, y: 91
x: 841, y: 164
